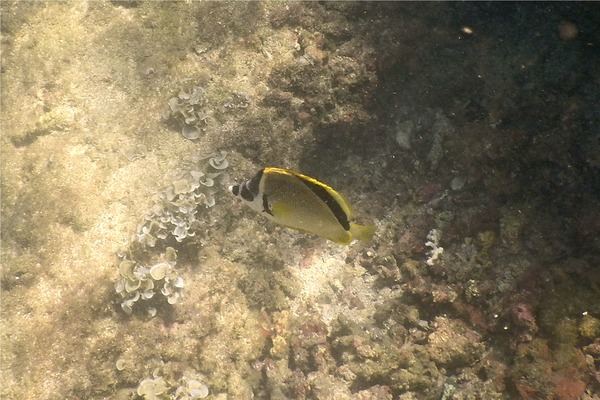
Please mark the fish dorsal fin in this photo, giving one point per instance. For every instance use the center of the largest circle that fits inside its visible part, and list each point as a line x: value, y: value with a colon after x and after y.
x: 335, y: 201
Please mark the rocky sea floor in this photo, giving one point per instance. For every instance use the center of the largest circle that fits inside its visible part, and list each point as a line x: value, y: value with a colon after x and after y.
x: 469, y: 133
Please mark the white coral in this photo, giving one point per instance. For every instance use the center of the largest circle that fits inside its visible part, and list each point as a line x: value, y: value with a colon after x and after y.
x: 433, y: 242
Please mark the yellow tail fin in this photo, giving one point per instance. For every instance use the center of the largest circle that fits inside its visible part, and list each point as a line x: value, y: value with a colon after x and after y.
x: 364, y: 233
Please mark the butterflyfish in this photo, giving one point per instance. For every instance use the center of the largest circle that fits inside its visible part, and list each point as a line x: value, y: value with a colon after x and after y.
x: 302, y: 203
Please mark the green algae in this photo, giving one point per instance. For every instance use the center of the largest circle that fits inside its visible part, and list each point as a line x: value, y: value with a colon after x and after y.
x: 589, y: 327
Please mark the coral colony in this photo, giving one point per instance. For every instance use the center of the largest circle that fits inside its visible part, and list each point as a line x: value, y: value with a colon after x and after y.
x: 236, y: 100
x: 190, y: 110
x: 433, y: 242
x: 175, y: 210
x: 139, y: 282
x: 174, y: 214
x: 189, y: 387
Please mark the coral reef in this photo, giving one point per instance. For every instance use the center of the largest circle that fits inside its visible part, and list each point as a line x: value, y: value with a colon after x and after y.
x: 467, y: 131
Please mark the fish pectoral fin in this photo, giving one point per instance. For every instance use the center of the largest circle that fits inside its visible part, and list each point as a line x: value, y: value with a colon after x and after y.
x: 280, y: 210
x: 364, y: 233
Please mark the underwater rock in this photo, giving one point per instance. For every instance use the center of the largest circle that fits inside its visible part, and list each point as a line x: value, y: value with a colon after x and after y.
x: 453, y: 343
x: 404, y: 133
x: 589, y: 327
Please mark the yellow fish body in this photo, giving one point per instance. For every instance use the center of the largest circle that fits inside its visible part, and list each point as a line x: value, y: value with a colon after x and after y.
x: 302, y: 203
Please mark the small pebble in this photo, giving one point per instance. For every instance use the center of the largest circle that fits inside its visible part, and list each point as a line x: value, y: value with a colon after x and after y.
x: 457, y: 183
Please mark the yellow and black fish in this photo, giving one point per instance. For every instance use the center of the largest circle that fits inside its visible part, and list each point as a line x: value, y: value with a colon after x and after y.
x: 302, y: 203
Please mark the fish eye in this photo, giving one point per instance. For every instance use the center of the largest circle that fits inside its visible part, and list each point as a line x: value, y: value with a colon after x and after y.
x: 235, y: 189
